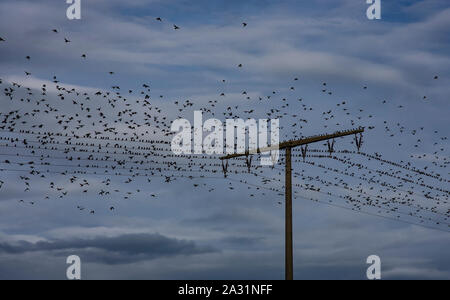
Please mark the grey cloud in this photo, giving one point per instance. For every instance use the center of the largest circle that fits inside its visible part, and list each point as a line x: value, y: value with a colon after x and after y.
x: 126, y: 248
x: 244, y: 241
x: 223, y: 46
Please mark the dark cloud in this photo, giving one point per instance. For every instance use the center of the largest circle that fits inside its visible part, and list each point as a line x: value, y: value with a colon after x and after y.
x: 243, y: 241
x: 111, y: 250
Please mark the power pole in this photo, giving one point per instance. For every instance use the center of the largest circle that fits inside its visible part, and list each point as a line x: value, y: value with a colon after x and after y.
x: 289, y: 248
x: 289, y: 267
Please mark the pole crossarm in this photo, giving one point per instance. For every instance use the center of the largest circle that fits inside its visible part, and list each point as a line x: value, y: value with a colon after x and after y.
x: 296, y: 143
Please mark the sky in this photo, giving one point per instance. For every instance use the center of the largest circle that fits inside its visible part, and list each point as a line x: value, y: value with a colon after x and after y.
x: 188, y: 231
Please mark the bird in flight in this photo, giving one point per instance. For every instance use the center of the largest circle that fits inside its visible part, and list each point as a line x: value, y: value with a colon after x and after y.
x: 176, y: 27
x: 2, y: 39
x: 244, y: 24
x: 159, y: 19
x: 66, y: 40
x: 55, y: 30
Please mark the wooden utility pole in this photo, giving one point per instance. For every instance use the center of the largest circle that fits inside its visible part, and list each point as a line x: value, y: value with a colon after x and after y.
x: 289, y: 267
x: 288, y: 218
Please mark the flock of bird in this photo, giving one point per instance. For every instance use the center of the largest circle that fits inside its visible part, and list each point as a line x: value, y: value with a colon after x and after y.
x: 103, y: 144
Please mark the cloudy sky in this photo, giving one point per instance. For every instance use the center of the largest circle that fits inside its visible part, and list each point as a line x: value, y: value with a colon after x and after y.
x: 187, y: 232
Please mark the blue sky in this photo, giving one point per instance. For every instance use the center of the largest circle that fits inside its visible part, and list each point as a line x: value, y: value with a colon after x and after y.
x: 188, y: 232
